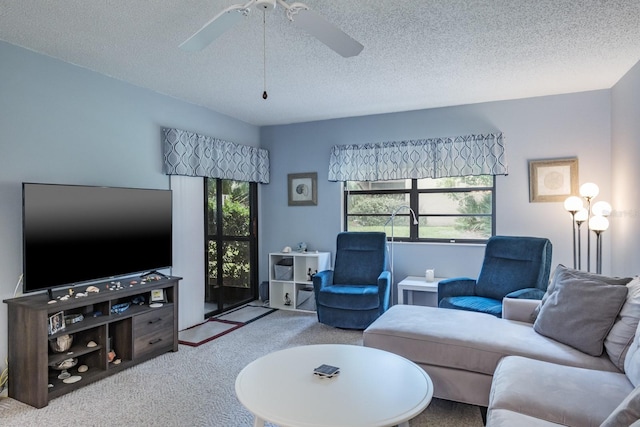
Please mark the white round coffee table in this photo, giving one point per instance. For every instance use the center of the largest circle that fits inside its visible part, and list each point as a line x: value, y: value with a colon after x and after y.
x: 375, y: 388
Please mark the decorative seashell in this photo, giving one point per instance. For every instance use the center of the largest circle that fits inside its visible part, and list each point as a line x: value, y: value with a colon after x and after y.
x: 83, y: 368
x: 66, y: 364
x: 91, y: 344
x: 117, y: 361
x: 72, y: 379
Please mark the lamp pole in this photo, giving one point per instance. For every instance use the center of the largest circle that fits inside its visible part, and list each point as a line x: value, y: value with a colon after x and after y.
x: 573, y: 204
x: 580, y: 217
x: 598, y: 223
x: 589, y: 191
x: 390, y: 220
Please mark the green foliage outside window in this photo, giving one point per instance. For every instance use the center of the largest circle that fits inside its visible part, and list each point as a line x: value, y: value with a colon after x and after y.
x: 457, y: 208
x: 236, y: 221
x: 468, y: 203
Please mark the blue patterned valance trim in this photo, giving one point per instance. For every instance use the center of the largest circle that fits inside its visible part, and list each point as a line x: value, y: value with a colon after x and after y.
x: 190, y: 154
x: 424, y: 158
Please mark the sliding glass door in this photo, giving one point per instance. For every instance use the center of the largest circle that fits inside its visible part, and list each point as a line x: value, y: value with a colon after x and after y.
x: 231, y: 244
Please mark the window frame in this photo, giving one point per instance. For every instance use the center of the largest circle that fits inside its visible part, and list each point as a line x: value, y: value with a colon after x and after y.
x: 414, y: 198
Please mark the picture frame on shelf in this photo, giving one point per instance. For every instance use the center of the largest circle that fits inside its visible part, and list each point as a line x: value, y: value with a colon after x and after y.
x: 553, y: 180
x: 158, y: 295
x: 56, y: 322
x: 302, y: 189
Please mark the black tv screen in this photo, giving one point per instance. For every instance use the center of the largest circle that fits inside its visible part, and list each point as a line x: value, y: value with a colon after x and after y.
x: 74, y: 234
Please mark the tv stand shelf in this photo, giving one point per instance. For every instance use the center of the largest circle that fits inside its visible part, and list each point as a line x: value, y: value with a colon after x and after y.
x: 137, y: 334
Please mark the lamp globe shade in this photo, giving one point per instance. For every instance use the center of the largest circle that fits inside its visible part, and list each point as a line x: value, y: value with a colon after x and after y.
x: 581, y: 215
x: 589, y: 190
x: 573, y: 204
x: 598, y: 223
x: 601, y: 208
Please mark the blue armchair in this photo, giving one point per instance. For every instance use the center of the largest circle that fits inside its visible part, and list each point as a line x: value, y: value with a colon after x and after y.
x: 513, y: 267
x: 357, y: 291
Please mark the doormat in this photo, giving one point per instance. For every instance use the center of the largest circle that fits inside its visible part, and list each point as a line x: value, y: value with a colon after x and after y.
x: 221, y: 325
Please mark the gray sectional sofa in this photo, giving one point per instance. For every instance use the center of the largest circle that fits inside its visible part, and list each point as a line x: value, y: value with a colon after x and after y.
x: 512, y: 366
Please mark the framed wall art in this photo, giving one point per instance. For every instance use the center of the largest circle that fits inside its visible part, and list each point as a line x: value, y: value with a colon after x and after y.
x: 302, y: 189
x: 553, y: 180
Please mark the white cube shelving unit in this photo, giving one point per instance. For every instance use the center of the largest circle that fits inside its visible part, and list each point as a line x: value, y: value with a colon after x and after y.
x: 290, y: 286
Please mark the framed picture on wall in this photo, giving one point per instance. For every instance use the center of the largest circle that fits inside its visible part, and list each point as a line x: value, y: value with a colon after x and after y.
x: 553, y: 180
x: 302, y: 189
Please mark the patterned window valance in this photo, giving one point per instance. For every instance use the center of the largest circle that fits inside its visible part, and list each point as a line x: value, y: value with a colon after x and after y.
x: 424, y: 158
x: 190, y: 154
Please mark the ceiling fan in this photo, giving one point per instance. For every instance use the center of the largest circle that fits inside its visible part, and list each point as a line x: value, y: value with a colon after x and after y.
x: 298, y: 13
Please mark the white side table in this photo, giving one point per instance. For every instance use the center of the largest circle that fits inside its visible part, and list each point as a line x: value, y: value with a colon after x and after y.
x: 416, y: 283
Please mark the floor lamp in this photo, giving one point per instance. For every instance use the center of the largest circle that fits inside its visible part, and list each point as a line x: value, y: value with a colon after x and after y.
x: 594, y: 216
x: 390, y: 220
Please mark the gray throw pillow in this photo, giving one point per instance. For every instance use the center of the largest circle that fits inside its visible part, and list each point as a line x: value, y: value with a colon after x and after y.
x: 577, y: 274
x: 550, y: 286
x: 627, y: 413
x: 581, y: 309
x: 617, y: 342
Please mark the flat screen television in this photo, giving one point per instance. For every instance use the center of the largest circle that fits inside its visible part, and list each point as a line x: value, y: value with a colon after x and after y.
x: 75, y: 234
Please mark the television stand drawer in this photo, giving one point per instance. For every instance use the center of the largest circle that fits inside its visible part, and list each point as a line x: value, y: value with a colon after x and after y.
x: 153, y: 332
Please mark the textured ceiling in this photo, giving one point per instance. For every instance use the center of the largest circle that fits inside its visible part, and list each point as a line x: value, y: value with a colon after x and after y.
x: 417, y: 53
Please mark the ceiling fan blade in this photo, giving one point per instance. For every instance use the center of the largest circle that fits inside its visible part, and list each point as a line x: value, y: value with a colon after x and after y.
x: 214, y: 28
x: 326, y: 32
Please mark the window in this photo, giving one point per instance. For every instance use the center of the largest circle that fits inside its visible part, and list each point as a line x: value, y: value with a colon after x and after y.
x: 455, y: 209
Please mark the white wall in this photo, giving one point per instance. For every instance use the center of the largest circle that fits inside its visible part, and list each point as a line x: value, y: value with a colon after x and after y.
x: 625, y: 150
x: 576, y: 125
x: 63, y: 124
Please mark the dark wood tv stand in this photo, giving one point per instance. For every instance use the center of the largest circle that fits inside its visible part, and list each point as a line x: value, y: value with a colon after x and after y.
x: 137, y: 334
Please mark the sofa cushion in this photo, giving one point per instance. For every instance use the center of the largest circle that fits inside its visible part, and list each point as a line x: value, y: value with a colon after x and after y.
x: 632, y: 360
x: 621, y: 335
x: 626, y: 413
x: 558, y: 394
x: 506, y: 418
x: 580, y: 310
x: 467, y: 340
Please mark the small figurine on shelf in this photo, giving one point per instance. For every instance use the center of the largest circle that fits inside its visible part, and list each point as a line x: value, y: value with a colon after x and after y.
x: 302, y: 247
x: 287, y: 300
x: 309, y: 275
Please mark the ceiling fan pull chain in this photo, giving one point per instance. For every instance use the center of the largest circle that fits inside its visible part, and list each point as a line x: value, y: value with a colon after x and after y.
x: 264, y: 54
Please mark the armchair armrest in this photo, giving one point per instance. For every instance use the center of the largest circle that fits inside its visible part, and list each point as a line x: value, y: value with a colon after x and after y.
x: 384, y: 280
x: 384, y: 290
x: 519, y: 309
x: 526, y: 293
x: 322, y: 279
x: 455, y: 286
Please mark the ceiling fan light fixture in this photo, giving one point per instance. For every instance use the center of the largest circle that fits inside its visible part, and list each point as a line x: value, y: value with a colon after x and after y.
x: 266, y: 4
x: 298, y: 13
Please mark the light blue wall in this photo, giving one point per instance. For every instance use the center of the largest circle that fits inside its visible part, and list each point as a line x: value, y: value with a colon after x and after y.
x: 626, y: 173
x: 576, y: 125
x: 63, y: 124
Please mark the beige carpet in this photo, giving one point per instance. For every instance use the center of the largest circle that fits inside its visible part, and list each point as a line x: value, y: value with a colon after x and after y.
x: 196, y: 385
